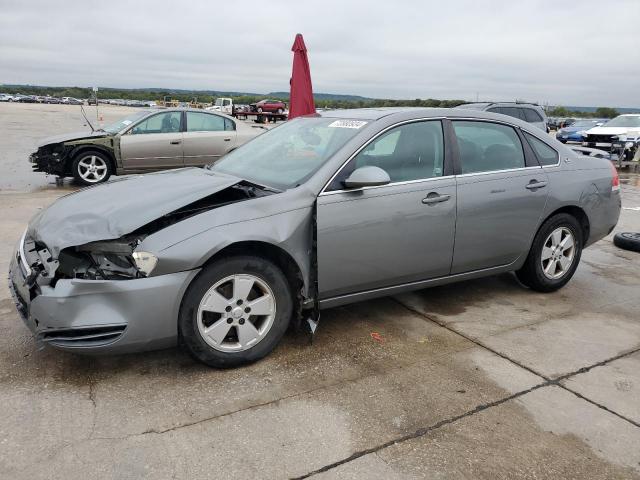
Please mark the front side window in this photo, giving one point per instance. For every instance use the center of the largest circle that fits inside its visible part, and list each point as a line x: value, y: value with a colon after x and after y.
x: 413, y: 151
x: 167, y: 122
x: 486, y: 147
x: 204, y: 122
x: 546, y: 155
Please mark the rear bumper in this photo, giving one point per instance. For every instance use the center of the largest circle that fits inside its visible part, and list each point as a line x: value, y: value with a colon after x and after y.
x: 87, y: 316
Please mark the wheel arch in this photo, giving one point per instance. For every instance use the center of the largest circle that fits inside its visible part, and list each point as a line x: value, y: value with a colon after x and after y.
x: 279, y: 256
x: 579, y: 214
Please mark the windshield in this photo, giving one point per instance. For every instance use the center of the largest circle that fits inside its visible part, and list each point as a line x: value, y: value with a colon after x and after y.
x: 218, y: 102
x: 288, y: 155
x: 125, y: 122
x: 624, y: 121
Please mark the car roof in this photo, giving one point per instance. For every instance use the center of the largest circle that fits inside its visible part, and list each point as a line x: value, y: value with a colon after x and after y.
x: 369, y: 113
x: 480, y: 105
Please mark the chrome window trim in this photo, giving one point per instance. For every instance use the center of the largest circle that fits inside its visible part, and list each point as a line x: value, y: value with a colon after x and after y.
x: 489, y: 172
x: 23, y: 258
x: 323, y: 191
x: 362, y: 147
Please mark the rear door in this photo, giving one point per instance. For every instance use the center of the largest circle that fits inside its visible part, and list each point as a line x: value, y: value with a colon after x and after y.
x: 154, y: 143
x: 207, y: 137
x: 502, y: 191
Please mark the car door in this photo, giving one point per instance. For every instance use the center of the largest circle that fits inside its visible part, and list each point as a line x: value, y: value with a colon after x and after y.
x: 154, y: 143
x: 381, y: 236
x: 501, y: 191
x: 207, y: 137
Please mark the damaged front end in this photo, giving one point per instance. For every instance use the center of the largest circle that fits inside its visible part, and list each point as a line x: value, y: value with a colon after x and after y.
x: 120, y: 259
x: 50, y: 159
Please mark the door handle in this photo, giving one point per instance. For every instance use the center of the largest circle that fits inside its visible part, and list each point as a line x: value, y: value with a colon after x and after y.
x: 227, y: 139
x: 175, y: 142
x: 534, y: 184
x: 433, y: 198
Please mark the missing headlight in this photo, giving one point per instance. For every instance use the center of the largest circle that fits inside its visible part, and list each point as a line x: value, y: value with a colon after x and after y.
x: 103, y: 260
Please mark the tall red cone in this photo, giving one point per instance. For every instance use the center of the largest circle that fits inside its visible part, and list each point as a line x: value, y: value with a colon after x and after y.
x: 301, y: 95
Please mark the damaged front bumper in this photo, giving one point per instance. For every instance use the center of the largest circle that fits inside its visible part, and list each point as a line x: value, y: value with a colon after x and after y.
x: 47, y: 162
x: 101, y: 316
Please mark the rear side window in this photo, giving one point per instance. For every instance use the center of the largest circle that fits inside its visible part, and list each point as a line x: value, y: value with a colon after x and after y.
x: 531, y: 116
x: 229, y: 124
x: 204, y: 122
x: 486, y: 147
x: 546, y: 155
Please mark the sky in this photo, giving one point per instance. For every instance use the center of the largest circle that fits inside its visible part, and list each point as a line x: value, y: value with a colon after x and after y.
x: 560, y: 53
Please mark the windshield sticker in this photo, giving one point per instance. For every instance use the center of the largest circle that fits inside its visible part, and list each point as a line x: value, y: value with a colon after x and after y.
x: 347, y: 124
x: 127, y: 122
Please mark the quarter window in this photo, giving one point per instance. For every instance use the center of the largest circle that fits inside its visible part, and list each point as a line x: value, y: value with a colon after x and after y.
x: 413, y: 151
x: 531, y: 116
x: 546, y: 155
x: 487, y: 147
x: 204, y: 122
x: 168, y: 122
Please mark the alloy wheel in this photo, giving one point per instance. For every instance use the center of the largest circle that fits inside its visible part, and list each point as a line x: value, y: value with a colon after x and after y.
x: 558, y: 251
x: 92, y: 169
x: 236, y: 313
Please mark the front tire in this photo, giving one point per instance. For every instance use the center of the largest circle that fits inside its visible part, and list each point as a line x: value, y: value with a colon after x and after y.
x: 91, y: 167
x: 554, y: 255
x: 235, y: 312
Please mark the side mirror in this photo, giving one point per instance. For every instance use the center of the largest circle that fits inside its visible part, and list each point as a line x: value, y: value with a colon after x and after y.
x: 369, y: 176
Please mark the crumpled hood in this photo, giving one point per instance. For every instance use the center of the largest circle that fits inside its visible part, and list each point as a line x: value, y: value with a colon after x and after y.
x: 67, y: 137
x: 111, y: 210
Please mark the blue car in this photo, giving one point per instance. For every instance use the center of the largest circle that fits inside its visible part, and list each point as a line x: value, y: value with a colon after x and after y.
x: 573, y: 133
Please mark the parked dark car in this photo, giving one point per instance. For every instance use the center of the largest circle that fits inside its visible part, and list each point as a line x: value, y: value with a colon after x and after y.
x: 27, y: 99
x: 270, y: 106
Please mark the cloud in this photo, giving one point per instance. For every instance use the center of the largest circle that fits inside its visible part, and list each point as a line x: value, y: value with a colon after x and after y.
x: 560, y: 53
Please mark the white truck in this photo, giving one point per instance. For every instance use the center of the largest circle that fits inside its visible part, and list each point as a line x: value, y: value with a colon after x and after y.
x: 222, y: 105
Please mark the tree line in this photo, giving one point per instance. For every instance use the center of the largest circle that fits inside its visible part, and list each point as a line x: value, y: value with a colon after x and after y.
x: 188, y: 96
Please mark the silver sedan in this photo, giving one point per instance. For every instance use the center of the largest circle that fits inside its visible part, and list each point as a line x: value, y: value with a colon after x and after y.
x: 146, y: 141
x: 322, y: 211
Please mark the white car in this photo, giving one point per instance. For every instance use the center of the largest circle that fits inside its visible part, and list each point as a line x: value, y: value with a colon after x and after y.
x: 621, y: 134
x: 5, y: 97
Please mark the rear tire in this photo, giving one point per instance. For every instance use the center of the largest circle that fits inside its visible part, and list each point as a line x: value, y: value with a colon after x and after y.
x: 91, y: 167
x: 627, y: 241
x: 554, y: 255
x: 217, y: 323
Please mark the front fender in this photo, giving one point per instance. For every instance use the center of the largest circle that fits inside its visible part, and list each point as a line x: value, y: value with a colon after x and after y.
x: 290, y: 231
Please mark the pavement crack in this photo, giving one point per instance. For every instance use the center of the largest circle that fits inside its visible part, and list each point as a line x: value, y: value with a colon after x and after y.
x: 420, y: 432
x: 471, y: 339
x: 92, y: 399
x: 551, y: 381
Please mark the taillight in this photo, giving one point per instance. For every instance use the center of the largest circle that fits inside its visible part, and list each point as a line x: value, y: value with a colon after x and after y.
x: 615, y: 181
